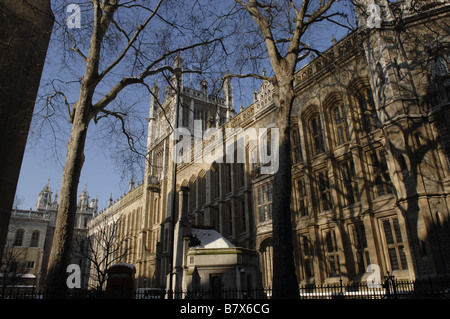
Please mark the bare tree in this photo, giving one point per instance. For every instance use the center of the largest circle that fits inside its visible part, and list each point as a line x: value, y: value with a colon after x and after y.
x: 419, y: 54
x: 104, y: 246
x: 12, y: 266
x: 282, y: 27
x: 128, y: 41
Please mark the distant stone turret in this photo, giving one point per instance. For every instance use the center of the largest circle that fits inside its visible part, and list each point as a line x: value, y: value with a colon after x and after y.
x: 45, y: 198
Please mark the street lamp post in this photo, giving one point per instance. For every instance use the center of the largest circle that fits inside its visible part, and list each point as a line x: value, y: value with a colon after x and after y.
x: 177, y: 72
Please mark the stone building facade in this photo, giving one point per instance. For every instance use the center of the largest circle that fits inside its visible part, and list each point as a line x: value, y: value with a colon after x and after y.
x: 370, y: 158
x: 30, y: 236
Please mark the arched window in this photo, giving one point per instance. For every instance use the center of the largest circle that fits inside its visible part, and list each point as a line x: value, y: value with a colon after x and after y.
x: 266, y: 250
x: 227, y: 180
x: 332, y: 253
x: 368, y: 111
x: 360, y: 248
x: 439, y: 71
x: 323, y: 191
x: 216, y: 287
x: 296, y: 145
x: 264, y: 202
x: 395, y: 246
x: 192, y: 194
x: 308, y: 256
x: 215, y: 182
x: 201, y: 189
x: 302, y: 197
x: 340, y: 123
x: 316, y: 133
x: 380, y: 172
x: 241, y: 221
x: 350, y: 189
x: 156, y: 218
x: 240, y: 175
x: 34, y: 239
x: 253, y: 155
x: 18, y: 239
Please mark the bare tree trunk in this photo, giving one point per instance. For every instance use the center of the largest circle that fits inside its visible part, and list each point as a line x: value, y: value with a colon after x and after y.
x: 62, y: 240
x: 83, y: 111
x: 285, y: 284
x: 80, y: 117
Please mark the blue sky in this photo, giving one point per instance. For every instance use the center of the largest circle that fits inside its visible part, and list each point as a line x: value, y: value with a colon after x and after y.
x: 100, y: 173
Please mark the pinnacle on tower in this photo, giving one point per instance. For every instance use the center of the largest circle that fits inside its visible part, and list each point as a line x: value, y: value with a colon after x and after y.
x: 131, y: 184
x: 110, y: 200
x: 44, y: 198
x: 228, y: 94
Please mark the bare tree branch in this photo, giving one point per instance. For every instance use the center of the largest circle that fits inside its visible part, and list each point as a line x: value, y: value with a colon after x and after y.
x: 130, y: 42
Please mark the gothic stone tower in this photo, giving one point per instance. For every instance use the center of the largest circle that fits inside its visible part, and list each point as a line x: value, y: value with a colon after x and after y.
x: 412, y: 105
x: 197, y: 111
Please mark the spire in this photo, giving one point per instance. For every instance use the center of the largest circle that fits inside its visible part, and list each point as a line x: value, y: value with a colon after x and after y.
x: 228, y: 94
x: 44, y: 198
x: 204, y: 87
x: 131, y: 185
x: 84, y: 198
x: 178, y: 63
x: 155, y: 96
x: 55, y: 200
x: 110, y: 200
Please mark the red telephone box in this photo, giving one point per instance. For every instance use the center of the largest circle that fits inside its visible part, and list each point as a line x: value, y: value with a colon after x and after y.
x: 120, y: 283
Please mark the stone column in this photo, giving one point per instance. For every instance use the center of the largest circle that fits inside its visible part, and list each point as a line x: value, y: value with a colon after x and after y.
x: 182, y: 230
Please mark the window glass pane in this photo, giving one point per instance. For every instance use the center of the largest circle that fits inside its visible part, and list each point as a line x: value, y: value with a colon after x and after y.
x: 18, y: 238
x: 338, y: 266
x: 305, y: 246
x: 326, y: 201
x: 317, y: 135
x: 357, y: 237
x: 388, y: 232
x: 379, y: 185
x: 393, y: 258
x: 401, y: 252
x: 295, y: 136
x: 308, y: 268
x: 302, y: 208
x: 360, y: 263
x: 363, y: 235
x: 340, y: 131
x: 398, y: 234
x: 332, y: 262
x: 314, y: 126
x: 329, y: 242
x: 34, y: 239
x: 264, y: 192
x: 367, y: 258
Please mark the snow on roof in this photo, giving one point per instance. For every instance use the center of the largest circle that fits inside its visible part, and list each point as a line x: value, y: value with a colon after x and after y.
x: 209, y: 238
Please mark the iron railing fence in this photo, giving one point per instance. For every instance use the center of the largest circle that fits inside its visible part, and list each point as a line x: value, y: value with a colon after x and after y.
x: 391, y: 288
